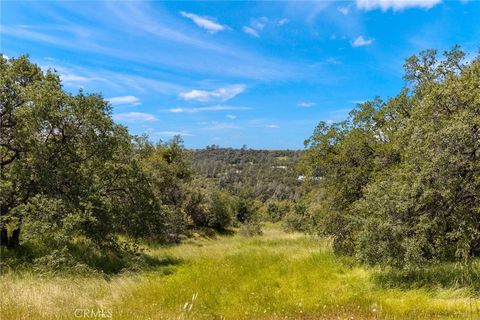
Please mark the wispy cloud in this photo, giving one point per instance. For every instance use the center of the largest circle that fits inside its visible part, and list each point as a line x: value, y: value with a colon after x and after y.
x: 272, y: 126
x: 258, y: 24
x: 171, y: 133
x: 231, y: 116
x: 134, y: 117
x: 326, y: 61
x: 345, y: 10
x: 72, y: 77
x: 76, y: 76
x: 132, y: 100
x: 214, y: 125
x: 361, y: 41
x: 306, y: 104
x: 309, y: 9
x: 221, y: 94
x: 395, y: 5
x: 213, y: 108
x: 358, y: 101
x: 204, y: 22
x: 157, y: 31
x: 250, y: 31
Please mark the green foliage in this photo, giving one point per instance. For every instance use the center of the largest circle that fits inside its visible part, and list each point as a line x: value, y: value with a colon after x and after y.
x: 207, y: 206
x: 297, y: 219
x: 64, y: 161
x: 220, y: 211
x: 251, y: 228
x: 68, y: 172
x: 269, y: 174
x: 276, y: 210
x: 400, y: 178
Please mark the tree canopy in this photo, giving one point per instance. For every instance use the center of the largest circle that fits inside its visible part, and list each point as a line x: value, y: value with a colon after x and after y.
x: 401, y: 178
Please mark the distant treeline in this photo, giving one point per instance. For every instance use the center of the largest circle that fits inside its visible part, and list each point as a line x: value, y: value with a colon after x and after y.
x: 266, y: 174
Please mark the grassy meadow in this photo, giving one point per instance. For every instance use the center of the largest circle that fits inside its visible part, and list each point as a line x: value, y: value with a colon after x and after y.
x: 274, y: 276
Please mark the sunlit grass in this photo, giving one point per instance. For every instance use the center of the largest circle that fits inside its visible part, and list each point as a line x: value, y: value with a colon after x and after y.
x: 274, y: 276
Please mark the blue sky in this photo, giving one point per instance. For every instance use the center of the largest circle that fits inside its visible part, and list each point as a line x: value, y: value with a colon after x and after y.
x: 232, y: 73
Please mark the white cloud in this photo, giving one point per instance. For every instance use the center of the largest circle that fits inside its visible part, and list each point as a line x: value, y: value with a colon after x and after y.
x: 358, y: 101
x: 395, y: 5
x: 204, y: 22
x: 214, y: 125
x: 326, y: 61
x: 222, y: 108
x: 134, y: 117
x: 273, y: 126
x: 231, y: 116
x: 70, y: 78
x: 177, y: 110
x: 172, y: 133
x: 155, y: 30
x: 360, y: 42
x: 259, y: 23
x: 124, y: 100
x: 306, y: 104
x: 76, y: 76
x: 344, y: 10
x: 213, y: 108
x: 250, y: 31
x: 199, y: 95
x: 221, y: 94
x: 5, y: 56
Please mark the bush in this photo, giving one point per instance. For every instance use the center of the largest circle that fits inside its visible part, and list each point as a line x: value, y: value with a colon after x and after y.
x: 296, y: 219
x: 220, y: 210
x: 245, y: 209
x: 207, y: 206
x: 276, y: 210
x: 400, y: 177
x: 250, y: 229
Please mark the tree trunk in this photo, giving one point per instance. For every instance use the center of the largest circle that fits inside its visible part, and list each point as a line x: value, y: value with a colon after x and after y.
x: 14, y: 240
x: 3, y: 237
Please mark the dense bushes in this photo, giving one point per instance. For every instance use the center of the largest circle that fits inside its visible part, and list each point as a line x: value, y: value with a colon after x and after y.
x: 401, y: 178
x: 68, y: 172
x: 207, y: 206
x: 297, y: 219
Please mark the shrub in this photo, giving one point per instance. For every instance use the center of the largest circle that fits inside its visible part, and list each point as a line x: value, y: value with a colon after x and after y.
x: 296, y: 219
x: 276, y: 210
x: 400, y: 177
x: 250, y: 229
x: 220, y: 210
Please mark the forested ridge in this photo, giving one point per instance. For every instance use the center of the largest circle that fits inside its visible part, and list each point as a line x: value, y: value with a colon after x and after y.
x: 396, y: 184
x: 268, y: 174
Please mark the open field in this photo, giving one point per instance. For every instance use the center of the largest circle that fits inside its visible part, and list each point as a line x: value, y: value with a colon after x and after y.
x: 274, y: 276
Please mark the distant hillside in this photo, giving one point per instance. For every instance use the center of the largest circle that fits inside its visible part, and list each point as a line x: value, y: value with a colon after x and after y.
x: 266, y: 174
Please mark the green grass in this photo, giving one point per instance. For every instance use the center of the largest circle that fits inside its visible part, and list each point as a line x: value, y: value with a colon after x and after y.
x: 274, y: 276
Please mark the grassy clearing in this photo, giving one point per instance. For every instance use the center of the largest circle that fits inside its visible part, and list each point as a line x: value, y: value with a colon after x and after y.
x: 274, y: 276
